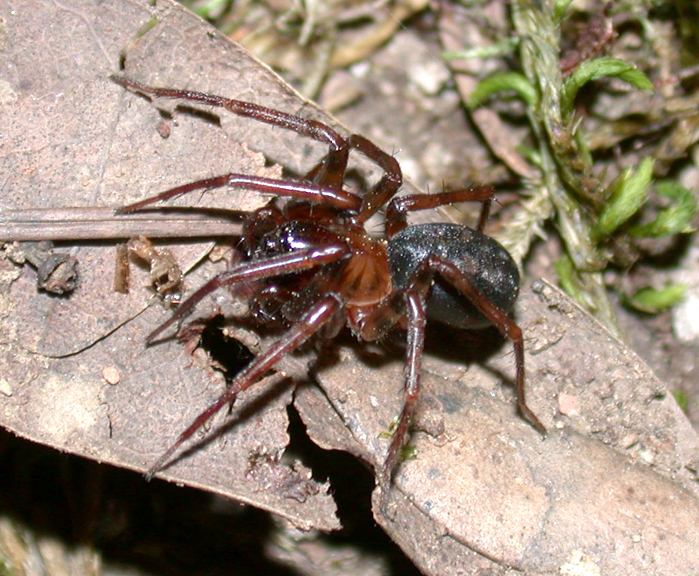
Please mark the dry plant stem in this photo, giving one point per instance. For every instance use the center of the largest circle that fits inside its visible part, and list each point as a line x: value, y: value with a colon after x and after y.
x: 71, y: 224
x: 527, y: 224
x: 381, y: 33
x: 540, y: 51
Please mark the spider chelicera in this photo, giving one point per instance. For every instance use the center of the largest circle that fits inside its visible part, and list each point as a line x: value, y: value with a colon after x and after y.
x: 313, y: 266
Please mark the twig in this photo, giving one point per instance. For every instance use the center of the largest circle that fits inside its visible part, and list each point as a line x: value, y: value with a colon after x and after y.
x: 102, y: 224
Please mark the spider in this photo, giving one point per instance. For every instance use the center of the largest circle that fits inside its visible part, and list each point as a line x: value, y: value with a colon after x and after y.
x: 314, y: 267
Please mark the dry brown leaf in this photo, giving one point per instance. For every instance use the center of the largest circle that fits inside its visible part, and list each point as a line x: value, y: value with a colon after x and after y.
x: 487, y: 494
x: 613, y: 487
x: 75, y: 138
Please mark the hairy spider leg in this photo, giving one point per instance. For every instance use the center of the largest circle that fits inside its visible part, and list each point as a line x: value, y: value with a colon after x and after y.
x: 417, y: 319
x: 296, y: 261
x: 500, y: 320
x: 313, y: 320
x: 397, y: 212
x: 408, y: 302
x: 301, y: 190
x: 302, y: 126
x: 415, y: 296
x: 396, y: 221
x: 387, y: 186
x: 330, y: 172
x: 332, y: 168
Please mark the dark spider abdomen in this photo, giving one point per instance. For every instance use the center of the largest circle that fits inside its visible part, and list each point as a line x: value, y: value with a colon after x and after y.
x: 481, y: 258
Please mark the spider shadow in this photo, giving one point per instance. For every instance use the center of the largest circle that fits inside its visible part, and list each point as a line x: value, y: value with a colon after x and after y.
x: 444, y: 345
x: 477, y: 346
x: 181, y: 109
x: 442, y: 342
x: 229, y: 356
x: 249, y: 408
x: 474, y: 347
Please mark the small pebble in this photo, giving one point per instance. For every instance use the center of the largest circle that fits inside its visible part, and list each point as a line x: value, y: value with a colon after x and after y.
x: 111, y: 375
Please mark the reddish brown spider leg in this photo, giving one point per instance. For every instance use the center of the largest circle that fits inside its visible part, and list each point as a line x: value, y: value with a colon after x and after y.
x: 330, y: 171
x: 390, y: 182
x: 302, y: 126
x: 257, y: 270
x: 373, y: 324
x: 396, y: 214
x: 417, y: 318
x: 309, y: 192
x: 315, y: 318
x: 499, y: 319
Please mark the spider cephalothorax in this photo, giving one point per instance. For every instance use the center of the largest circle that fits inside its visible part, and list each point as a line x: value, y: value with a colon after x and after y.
x: 314, y: 267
